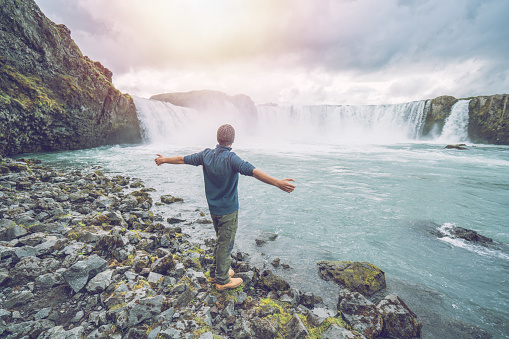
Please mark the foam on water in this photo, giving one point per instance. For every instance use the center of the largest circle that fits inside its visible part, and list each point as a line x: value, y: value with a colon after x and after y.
x: 449, y: 238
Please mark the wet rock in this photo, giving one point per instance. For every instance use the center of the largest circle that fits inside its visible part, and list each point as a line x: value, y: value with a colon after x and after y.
x: 361, y: 277
x: 309, y: 299
x: 273, y: 282
x: 456, y: 146
x: 450, y: 230
x: 360, y: 313
x: 170, y: 199
x: 262, y: 238
x: 398, y: 320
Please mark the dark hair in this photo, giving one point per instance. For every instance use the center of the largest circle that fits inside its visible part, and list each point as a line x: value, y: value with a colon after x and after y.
x: 225, y: 135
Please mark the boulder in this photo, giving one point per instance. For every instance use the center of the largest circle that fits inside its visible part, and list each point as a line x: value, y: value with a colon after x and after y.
x: 295, y: 328
x: 336, y: 332
x: 99, y: 283
x: 78, y: 274
x: 360, y: 313
x: 273, y: 282
x: 360, y: 277
x: 398, y: 320
x: 140, y: 310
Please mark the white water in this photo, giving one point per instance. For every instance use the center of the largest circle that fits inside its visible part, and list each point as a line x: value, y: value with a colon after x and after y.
x: 456, y: 125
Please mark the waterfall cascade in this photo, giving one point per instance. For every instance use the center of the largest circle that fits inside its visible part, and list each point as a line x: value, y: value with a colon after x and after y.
x: 455, y: 127
x: 164, y: 122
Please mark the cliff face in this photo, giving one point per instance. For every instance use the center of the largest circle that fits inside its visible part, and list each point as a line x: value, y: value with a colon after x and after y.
x: 488, y: 118
x: 51, y: 96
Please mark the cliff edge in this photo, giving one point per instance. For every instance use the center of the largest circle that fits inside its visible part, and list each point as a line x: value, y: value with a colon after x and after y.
x: 52, y: 97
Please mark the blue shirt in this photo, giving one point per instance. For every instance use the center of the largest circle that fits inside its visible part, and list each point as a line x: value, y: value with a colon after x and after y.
x: 221, y: 169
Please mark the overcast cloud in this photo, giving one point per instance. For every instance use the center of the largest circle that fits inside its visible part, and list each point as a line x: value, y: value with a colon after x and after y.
x: 299, y: 51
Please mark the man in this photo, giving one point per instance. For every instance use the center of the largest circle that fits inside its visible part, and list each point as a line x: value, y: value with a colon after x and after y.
x: 221, y: 168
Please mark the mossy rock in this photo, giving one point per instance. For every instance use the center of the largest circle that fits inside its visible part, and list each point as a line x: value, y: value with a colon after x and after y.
x: 361, y: 277
x: 169, y: 199
x: 273, y: 282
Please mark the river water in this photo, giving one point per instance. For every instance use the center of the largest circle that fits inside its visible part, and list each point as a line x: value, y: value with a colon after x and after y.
x: 367, y: 190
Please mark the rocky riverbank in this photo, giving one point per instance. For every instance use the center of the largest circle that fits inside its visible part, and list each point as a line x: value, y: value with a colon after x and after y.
x: 83, y: 256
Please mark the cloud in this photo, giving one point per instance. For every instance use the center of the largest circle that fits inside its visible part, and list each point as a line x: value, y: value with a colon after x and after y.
x: 343, y: 51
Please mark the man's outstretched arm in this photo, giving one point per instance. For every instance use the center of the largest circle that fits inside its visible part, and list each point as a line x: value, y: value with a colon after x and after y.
x: 178, y: 160
x: 282, y: 184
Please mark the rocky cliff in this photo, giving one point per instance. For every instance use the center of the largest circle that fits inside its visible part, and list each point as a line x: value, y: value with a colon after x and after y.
x: 52, y: 97
x: 488, y: 118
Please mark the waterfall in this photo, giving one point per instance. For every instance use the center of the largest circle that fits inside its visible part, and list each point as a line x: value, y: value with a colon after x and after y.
x: 163, y: 122
x: 326, y: 123
x: 456, y: 125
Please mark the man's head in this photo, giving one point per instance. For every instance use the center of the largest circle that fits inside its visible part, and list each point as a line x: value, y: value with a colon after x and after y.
x: 225, y: 135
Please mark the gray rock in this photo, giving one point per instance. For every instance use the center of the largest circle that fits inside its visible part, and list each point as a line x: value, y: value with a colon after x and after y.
x: 78, y: 274
x: 4, y: 314
x: 44, y: 313
x: 242, y: 329
x: 336, y: 332
x: 99, y: 283
x: 136, y: 312
x: 317, y: 315
x: 30, y: 327
x: 48, y: 246
x: 22, y: 252
x: 360, y: 313
x: 58, y: 332
x: 6, y: 252
x: 49, y: 280
x: 295, y: 328
x: 398, y: 320
x: 98, y: 318
x: 264, y: 327
x: 166, y: 315
x: 154, y: 277
x: 77, y: 317
x: 15, y: 232
x: 33, y: 239
x: 170, y: 333
x: 154, y: 333
x: 206, y: 335
x: 17, y: 298
x: 100, y: 332
x: 196, y: 276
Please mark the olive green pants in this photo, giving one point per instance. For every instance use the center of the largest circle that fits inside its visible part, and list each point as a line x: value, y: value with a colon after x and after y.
x: 226, y: 228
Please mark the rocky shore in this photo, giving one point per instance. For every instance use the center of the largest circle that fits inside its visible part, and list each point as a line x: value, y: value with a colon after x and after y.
x: 83, y: 256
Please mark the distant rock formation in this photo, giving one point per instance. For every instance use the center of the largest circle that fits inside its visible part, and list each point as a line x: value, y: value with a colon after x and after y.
x: 51, y: 96
x: 488, y: 117
x: 207, y: 100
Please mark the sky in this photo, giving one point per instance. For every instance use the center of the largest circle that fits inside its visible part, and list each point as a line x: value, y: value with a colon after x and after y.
x: 345, y: 52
